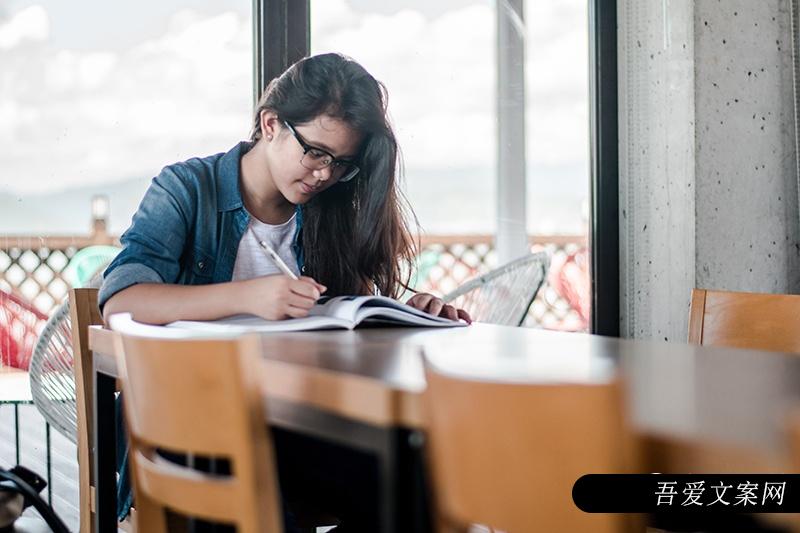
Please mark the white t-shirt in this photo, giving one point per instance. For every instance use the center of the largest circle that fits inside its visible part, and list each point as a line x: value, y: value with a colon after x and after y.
x: 252, y: 261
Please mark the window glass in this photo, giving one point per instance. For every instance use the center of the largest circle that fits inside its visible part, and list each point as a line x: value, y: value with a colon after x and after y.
x: 557, y: 153
x: 439, y: 62
x: 95, y: 98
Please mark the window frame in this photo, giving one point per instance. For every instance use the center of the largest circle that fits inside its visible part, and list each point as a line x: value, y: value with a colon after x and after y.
x: 604, y: 169
x: 281, y: 36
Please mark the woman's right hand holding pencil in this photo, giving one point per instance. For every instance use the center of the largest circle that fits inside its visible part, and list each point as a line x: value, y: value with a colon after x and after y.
x: 278, y: 297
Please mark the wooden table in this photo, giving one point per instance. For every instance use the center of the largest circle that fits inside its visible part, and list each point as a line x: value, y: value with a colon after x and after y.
x: 697, y: 409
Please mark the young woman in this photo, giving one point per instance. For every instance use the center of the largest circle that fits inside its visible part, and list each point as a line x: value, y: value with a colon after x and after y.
x: 318, y: 181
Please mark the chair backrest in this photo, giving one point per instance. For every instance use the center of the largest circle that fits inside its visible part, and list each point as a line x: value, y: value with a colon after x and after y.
x: 88, y: 262
x: 84, y: 312
x: 745, y: 320
x: 200, y: 398
x: 507, y: 455
x: 503, y: 295
x: 20, y: 324
x: 52, y: 374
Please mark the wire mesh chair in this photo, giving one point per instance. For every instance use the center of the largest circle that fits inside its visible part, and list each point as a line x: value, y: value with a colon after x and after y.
x: 52, y: 377
x: 85, y: 264
x: 503, y: 295
x: 51, y: 370
x: 20, y: 323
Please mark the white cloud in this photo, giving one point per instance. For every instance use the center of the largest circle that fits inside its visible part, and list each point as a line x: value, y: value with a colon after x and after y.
x: 70, y: 117
x: 440, y: 73
x: 75, y: 117
x: 31, y: 23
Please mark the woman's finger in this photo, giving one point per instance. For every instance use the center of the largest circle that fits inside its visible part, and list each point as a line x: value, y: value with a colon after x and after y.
x: 305, y: 288
x: 296, y: 312
x: 301, y: 301
x: 448, y: 311
x: 320, y: 287
x: 435, y: 306
x: 464, y: 316
x: 420, y: 301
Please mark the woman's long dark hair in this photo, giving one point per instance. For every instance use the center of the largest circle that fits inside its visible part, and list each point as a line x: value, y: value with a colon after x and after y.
x: 355, y: 234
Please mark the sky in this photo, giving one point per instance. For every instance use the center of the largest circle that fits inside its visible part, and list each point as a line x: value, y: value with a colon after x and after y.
x: 95, y: 92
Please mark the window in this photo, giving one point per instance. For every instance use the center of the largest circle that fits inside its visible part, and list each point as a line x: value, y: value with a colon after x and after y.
x: 439, y: 63
x: 96, y: 98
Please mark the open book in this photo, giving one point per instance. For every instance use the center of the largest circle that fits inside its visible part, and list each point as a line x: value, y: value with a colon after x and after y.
x: 340, y: 312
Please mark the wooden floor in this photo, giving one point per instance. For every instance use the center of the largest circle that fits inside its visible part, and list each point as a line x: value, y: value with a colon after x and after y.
x: 33, y: 456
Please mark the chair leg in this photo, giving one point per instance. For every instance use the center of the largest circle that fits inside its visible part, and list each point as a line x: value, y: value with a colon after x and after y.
x: 85, y: 488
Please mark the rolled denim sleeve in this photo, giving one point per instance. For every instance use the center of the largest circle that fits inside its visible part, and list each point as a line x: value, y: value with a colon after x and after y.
x: 154, y: 243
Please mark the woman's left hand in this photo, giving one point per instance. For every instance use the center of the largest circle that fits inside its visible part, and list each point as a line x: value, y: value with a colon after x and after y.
x: 436, y: 307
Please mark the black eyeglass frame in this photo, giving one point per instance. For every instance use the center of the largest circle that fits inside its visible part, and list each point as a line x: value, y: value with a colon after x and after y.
x: 333, y: 160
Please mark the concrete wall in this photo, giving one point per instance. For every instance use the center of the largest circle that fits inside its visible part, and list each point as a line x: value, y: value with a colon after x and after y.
x: 656, y: 166
x: 708, y: 187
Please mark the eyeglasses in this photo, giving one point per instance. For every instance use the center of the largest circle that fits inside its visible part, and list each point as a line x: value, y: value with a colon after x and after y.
x: 316, y: 159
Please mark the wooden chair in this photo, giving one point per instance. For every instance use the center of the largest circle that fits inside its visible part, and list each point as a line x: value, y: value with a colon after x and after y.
x: 199, y: 398
x: 745, y: 320
x: 506, y: 455
x: 84, y: 313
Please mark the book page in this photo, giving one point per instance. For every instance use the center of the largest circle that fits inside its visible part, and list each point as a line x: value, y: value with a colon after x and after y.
x: 377, y: 305
x: 341, y: 307
x: 340, y: 312
x: 390, y: 315
x: 253, y: 324
x: 358, y: 308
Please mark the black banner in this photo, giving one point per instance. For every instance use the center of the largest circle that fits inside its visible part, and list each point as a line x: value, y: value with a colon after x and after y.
x: 688, y: 493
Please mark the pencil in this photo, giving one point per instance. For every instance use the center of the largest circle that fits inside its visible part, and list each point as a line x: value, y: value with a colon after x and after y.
x: 276, y: 259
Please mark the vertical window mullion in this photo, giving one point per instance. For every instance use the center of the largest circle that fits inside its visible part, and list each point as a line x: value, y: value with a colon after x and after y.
x: 604, y: 234
x: 281, y: 36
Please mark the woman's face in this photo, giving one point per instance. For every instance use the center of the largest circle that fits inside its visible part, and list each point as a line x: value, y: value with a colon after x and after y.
x: 293, y: 167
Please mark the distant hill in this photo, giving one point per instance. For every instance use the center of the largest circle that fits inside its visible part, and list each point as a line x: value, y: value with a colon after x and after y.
x: 68, y: 212
x: 446, y: 201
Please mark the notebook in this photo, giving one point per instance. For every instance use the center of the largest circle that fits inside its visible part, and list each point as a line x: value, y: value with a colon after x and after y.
x: 340, y: 312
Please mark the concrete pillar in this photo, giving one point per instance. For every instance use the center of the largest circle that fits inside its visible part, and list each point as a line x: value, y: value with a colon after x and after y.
x: 747, y: 224
x: 656, y: 166
x: 708, y: 187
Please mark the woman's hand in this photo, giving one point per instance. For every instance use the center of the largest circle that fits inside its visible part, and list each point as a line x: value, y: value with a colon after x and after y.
x: 435, y: 306
x: 278, y: 297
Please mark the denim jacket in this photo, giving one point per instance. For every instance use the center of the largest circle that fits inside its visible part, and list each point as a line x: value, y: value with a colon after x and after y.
x: 188, y: 227
x: 186, y: 231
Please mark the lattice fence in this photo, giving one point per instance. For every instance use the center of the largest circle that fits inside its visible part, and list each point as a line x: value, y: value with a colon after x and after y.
x: 36, y: 274
x: 446, y: 261
x: 33, y: 268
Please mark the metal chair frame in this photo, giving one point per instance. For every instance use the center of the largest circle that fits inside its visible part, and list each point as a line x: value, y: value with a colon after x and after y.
x: 540, y: 258
x: 52, y: 374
